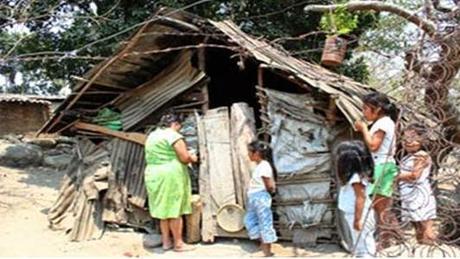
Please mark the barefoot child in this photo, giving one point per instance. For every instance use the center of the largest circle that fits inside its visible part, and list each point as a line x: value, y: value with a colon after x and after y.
x: 417, y: 199
x: 354, y: 170
x: 259, y: 218
x: 380, y: 140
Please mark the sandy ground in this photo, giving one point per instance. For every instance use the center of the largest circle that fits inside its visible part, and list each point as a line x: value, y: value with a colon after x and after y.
x: 26, y: 195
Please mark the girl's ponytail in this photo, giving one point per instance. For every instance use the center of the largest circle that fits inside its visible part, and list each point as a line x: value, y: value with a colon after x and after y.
x: 391, y: 110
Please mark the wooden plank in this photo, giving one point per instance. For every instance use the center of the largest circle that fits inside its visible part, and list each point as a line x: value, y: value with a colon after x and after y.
x: 81, y: 79
x: 243, y: 131
x: 220, y: 187
x: 138, y: 138
x: 202, y: 67
x: 217, y: 127
x: 207, y: 232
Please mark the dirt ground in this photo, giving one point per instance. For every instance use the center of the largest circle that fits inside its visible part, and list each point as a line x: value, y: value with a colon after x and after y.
x: 26, y: 195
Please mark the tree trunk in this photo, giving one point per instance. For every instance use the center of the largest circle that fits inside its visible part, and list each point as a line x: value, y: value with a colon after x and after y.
x: 439, y: 78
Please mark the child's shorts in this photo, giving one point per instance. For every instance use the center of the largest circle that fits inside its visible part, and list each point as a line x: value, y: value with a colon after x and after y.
x: 384, y: 176
x: 259, y: 217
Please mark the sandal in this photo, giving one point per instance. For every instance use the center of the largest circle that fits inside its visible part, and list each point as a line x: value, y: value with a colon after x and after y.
x: 167, y: 248
x: 184, y: 248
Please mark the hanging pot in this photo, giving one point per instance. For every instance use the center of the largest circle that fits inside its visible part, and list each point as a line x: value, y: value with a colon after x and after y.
x: 334, y: 51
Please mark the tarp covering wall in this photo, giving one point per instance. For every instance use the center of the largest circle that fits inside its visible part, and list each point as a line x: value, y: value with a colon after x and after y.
x: 304, y: 182
x: 293, y: 121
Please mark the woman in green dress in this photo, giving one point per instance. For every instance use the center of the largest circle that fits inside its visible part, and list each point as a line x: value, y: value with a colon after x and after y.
x: 167, y: 180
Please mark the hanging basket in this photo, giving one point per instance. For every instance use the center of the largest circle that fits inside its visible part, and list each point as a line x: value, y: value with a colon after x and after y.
x: 334, y: 51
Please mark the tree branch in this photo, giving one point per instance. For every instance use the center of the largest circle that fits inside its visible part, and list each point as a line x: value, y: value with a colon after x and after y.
x: 437, y: 6
x: 423, y: 24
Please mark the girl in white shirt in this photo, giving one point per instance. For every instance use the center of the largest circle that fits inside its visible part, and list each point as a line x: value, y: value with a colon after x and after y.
x: 259, y: 216
x: 417, y: 200
x: 354, y: 170
x: 380, y: 140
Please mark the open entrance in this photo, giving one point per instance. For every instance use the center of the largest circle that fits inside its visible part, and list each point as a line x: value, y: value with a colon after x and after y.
x: 234, y: 79
x: 231, y: 80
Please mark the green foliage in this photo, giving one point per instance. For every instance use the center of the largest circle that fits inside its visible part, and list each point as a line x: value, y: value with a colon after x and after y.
x: 356, y: 69
x: 339, y: 21
x: 67, y: 26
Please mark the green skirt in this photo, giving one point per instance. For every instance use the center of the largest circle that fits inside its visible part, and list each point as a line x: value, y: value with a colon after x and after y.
x: 169, y: 190
x: 384, y: 176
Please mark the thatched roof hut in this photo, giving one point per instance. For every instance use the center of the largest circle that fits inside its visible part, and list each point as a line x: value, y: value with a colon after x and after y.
x: 182, y: 62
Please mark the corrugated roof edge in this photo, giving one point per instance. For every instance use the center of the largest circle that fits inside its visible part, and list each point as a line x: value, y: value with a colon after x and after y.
x: 36, y: 99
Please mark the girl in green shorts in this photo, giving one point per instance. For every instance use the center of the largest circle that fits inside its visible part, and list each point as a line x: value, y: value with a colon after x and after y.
x: 380, y: 139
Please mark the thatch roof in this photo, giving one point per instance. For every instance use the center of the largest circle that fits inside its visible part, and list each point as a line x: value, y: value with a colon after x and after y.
x: 160, y: 45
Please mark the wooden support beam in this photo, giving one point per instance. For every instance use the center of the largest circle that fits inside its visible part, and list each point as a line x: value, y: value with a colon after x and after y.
x: 260, y: 83
x: 66, y: 127
x: 135, y: 137
x: 187, y: 105
x: 107, y: 64
x: 202, y: 67
x: 331, y: 113
x: 50, y: 124
x: 97, y: 93
x: 81, y: 79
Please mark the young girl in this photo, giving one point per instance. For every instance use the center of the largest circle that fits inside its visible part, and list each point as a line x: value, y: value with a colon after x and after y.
x: 259, y: 218
x: 380, y: 139
x: 417, y: 199
x: 354, y: 170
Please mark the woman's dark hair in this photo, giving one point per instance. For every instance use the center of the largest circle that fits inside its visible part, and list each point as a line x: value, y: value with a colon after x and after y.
x: 261, y: 147
x: 353, y: 157
x: 379, y: 100
x: 169, y: 118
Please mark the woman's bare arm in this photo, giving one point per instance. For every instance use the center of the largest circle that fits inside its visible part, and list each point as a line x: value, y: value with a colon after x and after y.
x: 182, y: 153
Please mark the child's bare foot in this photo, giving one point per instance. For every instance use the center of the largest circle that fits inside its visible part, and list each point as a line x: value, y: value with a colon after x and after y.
x: 266, y: 249
x: 426, y: 241
x: 268, y: 254
x: 382, y: 245
x: 262, y: 254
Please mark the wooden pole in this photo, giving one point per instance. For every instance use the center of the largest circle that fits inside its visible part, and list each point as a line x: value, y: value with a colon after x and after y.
x: 131, y: 136
x: 260, y: 83
x: 202, y: 67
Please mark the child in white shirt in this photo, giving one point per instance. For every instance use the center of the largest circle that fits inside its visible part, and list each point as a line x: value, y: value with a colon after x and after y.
x: 381, y: 139
x: 417, y: 200
x: 259, y: 216
x: 354, y: 170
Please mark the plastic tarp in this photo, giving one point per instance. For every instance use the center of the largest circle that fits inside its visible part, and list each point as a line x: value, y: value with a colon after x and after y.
x: 300, y: 141
x: 293, y: 121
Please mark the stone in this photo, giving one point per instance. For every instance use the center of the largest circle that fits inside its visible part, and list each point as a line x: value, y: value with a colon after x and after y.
x: 151, y: 240
x: 20, y: 155
x: 57, y: 161
x: 12, y: 138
